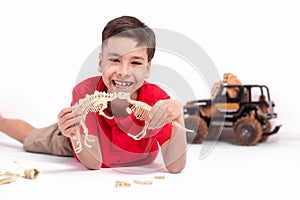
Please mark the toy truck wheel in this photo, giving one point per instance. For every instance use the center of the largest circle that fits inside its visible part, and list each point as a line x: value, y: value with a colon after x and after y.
x: 199, y: 126
x: 247, y: 131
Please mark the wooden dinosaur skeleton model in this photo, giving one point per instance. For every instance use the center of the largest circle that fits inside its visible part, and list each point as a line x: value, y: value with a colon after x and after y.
x: 141, y: 111
x: 96, y: 102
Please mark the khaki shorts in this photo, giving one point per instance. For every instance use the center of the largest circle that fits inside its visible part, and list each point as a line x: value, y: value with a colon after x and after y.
x: 48, y: 140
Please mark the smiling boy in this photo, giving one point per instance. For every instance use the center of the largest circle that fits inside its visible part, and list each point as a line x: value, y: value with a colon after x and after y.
x: 128, y: 47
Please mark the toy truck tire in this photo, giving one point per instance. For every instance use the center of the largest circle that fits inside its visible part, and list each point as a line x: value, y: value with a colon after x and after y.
x: 199, y: 126
x: 247, y: 131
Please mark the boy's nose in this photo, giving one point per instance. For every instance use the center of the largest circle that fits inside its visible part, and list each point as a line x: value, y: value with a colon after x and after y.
x: 124, y: 70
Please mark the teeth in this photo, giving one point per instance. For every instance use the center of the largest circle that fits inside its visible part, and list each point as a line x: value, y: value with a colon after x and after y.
x: 122, y: 84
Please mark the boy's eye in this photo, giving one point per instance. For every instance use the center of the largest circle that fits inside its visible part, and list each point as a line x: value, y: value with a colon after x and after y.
x: 114, y: 60
x: 136, y: 63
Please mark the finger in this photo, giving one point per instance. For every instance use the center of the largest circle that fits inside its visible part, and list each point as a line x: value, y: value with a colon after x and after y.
x: 64, y: 111
x: 70, y: 126
x: 159, y: 114
x: 63, y: 116
x: 173, y: 114
x: 74, y: 121
x: 67, y: 114
x: 70, y: 131
x: 158, y: 117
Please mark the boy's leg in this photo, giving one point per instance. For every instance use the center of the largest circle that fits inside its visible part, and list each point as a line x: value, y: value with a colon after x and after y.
x: 48, y: 140
x: 15, y: 128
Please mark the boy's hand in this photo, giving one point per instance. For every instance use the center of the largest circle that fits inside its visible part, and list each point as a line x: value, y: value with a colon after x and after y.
x: 163, y: 112
x: 67, y: 121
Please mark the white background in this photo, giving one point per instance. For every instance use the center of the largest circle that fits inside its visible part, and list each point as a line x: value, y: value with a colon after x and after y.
x: 43, y: 45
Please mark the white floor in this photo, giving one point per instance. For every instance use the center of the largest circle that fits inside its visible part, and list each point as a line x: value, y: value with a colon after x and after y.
x: 265, y: 171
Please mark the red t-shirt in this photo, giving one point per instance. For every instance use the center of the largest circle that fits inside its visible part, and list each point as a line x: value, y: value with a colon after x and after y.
x: 118, y: 149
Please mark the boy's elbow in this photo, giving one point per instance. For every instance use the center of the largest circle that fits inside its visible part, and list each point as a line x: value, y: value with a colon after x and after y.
x: 93, y: 165
x: 175, y: 168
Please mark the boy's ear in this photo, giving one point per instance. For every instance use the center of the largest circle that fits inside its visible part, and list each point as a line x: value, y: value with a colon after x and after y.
x: 100, y: 67
x: 148, y: 70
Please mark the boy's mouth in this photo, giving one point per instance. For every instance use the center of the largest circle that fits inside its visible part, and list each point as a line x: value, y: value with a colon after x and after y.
x: 122, y: 84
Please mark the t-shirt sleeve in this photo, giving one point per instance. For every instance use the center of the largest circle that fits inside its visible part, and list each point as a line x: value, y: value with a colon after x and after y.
x: 87, y: 86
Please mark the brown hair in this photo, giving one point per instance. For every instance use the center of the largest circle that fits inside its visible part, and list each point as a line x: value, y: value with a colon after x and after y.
x: 131, y: 27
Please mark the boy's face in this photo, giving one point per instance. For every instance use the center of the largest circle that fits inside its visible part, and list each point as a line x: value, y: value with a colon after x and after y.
x: 123, y: 65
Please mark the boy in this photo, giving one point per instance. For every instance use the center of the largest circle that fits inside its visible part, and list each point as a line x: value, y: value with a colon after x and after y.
x: 128, y: 47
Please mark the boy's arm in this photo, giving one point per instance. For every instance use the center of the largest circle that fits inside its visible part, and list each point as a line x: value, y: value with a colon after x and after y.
x: 91, y: 158
x: 173, y: 151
